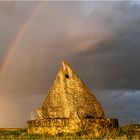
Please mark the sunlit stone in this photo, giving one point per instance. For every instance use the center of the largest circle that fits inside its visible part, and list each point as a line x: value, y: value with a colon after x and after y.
x: 69, y: 107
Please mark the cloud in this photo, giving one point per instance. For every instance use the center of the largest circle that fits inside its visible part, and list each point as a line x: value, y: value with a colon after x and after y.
x: 121, y: 104
x: 113, y: 58
x: 13, y: 15
x: 16, y: 109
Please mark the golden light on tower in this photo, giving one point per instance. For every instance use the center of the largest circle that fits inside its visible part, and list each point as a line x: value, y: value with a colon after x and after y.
x: 69, y: 106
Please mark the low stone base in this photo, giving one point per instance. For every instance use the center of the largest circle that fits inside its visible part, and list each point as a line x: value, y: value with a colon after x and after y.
x: 64, y: 125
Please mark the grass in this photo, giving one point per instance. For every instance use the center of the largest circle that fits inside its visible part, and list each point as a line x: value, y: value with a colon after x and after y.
x: 124, y: 133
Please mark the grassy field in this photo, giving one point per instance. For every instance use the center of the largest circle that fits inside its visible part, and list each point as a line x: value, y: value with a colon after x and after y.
x: 125, y: 132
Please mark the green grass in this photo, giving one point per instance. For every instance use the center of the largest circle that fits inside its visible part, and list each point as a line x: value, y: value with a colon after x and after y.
x: 125, y: 132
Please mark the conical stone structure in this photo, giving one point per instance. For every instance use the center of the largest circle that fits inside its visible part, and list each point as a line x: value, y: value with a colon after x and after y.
x: 69, y: 97
x: 70, y: 107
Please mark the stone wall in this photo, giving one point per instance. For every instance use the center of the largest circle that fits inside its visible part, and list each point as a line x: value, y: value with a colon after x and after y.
x: 65, y: 125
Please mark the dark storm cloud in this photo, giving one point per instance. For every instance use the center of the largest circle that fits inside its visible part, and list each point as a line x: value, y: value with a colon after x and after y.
x: 121, y: 104
x: 114, y: 59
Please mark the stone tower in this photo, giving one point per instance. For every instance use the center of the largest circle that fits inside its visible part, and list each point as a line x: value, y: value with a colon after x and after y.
x: 69, y: 107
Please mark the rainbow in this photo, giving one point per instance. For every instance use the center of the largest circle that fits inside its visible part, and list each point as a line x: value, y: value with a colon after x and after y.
x: 17, y: 38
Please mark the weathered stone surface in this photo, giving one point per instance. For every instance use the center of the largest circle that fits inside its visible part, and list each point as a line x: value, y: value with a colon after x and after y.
x: 70, y: 107
x: 69, y: 97
x: 56, y: 126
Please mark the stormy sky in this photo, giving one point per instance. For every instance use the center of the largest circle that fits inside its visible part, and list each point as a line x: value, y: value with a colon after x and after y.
x: 100, y: 40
